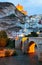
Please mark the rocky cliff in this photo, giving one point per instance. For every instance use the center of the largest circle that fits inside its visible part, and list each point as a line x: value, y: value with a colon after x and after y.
x: 7, y: 8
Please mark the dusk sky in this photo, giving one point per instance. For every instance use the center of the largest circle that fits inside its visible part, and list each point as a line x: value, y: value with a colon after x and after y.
x: 31, y: 6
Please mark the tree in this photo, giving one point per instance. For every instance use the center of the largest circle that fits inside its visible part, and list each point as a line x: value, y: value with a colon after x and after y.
x: 12, y: 15
x: 33, y: 34
x: 3, y: 38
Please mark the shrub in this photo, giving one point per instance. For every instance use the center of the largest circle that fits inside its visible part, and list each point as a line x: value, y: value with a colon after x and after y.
x: 33, y: 34
x: 11, y: 44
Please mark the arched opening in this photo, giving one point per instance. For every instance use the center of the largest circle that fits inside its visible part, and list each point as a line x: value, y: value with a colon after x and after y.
x: 32, y: 47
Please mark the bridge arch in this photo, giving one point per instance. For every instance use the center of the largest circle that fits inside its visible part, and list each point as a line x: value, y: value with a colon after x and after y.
x: 31, y: 47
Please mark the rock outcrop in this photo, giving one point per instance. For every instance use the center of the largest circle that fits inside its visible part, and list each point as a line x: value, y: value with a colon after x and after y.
x: 7, y: 8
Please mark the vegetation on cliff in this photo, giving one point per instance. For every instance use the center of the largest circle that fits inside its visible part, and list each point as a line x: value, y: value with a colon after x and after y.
x: 33, y: 34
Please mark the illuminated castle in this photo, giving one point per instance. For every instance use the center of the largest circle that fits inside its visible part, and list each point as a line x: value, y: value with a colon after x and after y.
x: 20, y: 8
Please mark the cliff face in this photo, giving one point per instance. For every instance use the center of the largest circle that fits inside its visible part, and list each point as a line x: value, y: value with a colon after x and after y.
x: 10, y: 17
x: 7, y: 8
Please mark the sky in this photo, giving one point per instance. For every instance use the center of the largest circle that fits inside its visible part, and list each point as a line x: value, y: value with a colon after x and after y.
x: 31, y: 6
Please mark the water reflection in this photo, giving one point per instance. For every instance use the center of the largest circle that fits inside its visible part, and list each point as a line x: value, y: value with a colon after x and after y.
x: 33, y: 59
x: 21, y: 59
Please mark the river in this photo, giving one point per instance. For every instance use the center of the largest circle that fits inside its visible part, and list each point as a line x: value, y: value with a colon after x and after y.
x: 21, y: 59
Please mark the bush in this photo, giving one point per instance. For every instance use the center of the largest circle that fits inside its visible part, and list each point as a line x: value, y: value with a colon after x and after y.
x: 33, y: 34
x: 10, y: 44
x: 12, y: 15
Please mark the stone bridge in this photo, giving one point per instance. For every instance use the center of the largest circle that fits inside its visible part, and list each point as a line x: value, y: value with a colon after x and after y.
x: 28, y: 45
x: 37, y: 40
x: 32, y: 41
